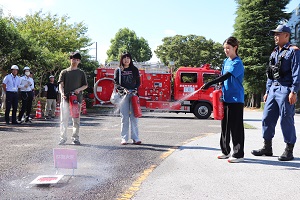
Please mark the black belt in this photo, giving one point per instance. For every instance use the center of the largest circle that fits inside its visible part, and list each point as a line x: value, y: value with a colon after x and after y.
x: 11, y: 92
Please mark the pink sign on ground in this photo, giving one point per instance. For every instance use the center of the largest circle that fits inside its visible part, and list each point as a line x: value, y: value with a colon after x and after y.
x: 65, y: 158
x: 47, y: 179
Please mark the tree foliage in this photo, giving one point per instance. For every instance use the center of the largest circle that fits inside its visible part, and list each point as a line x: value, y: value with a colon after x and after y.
x: 50, y: 39
x: 13, y: 47
x: 126, y: 40
x: 255, y: 18
x: 190, y: 50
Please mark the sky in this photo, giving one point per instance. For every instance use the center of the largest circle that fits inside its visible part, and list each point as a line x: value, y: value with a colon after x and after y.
x: 152, y: 20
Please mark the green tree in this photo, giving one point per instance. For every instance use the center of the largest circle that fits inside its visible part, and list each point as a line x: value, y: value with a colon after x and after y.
x: 255, y: 18
x: 13, y: 48
x: 190, y: 50
x: 127, y: 41
x: 53, y: 38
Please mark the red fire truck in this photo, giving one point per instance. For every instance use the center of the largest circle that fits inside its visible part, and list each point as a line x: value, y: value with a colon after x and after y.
x: 160, y: 90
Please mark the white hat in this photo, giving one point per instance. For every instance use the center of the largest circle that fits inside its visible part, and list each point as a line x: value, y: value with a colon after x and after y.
x: 51, y: 76
x: 26, y: 68
x: 14, y: 67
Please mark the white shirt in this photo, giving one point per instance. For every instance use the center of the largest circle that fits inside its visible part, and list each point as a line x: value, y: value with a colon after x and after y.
x: 12, y: 82
x: 26, y: 81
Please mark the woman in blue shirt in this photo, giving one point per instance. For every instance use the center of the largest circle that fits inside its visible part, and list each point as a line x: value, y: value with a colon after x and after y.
x: 233, y: 98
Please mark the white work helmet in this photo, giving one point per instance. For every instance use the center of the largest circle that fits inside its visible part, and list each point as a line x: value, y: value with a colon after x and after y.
x: 26, y: 68
x: 14, y: 67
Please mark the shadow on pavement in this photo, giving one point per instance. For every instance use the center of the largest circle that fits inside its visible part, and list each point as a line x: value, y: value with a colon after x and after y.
x: 252, y: 120
x: 199, y: 148
x: 289, y: 164
x: 152, y: 147
x: 129, y: 146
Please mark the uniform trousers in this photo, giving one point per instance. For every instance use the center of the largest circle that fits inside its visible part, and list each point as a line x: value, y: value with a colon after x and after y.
x: 233, y: 126
x: 277, y: 104
x: 27, y: 98
x: 11, y: 101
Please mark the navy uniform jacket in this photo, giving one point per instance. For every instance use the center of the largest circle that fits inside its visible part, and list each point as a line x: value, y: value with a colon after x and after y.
x: 290, y: 67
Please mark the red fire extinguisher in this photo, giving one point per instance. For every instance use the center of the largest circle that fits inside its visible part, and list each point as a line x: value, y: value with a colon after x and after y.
x: 74, y: 105
x: 218, y: 107
x: 136, y: 106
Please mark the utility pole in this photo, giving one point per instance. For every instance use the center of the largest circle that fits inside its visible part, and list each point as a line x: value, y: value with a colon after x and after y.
x: 96, y: 51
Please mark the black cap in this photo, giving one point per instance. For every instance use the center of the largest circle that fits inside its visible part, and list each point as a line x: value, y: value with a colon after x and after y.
x: 75, y: 55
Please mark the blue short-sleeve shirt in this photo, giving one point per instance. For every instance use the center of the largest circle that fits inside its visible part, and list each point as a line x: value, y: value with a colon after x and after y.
x: 233, y: 90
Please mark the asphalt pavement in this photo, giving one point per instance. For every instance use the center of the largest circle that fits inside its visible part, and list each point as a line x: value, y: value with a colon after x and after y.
x: 193, y: 171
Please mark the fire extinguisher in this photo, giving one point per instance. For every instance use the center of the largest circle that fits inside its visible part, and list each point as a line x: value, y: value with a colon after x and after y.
x: 137, y: 111
x: 218, y: 107
x: 74, y: 105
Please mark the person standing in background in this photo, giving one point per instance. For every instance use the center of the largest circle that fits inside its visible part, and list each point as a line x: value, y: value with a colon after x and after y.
x: 51, y: 91
x: 11, y: 84
x: 27, y: 90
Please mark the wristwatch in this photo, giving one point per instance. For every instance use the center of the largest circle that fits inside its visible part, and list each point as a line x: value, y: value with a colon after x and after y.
x: 294, y: 92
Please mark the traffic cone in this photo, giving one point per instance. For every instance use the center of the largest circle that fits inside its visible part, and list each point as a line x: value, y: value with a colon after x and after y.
x: 57, y: 110
x: 83, y: 107
x: 38, y: 112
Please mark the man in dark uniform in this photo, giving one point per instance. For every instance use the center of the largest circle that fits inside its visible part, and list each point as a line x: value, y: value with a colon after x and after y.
x: 281, y: 94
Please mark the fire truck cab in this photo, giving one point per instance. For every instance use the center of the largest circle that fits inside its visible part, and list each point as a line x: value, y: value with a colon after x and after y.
x: 161, y: 91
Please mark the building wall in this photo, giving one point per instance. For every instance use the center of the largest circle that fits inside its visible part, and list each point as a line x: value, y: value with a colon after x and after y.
x: 294, y: 24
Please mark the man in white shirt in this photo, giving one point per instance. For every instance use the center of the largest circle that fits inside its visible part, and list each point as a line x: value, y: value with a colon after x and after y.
x: 27, y: 88
x: 11, y: 83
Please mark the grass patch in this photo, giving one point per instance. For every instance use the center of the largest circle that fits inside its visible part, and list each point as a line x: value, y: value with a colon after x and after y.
x: 248, y: 126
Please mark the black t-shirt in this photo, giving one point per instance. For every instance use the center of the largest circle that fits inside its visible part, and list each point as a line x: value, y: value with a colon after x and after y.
x: 130, y: 77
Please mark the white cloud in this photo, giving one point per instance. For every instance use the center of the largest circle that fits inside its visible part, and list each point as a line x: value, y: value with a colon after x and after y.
x: 169, y: 32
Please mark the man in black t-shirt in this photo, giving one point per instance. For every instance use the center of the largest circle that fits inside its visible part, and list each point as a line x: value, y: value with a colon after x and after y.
x: 51, y: 90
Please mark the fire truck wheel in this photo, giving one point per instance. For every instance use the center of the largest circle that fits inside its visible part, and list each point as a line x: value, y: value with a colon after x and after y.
x: 202, y: 110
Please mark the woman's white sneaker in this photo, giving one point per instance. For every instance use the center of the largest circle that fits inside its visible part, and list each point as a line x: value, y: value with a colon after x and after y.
x: 235, y: 160
x: 223, y: 156
x: 123, y: 142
